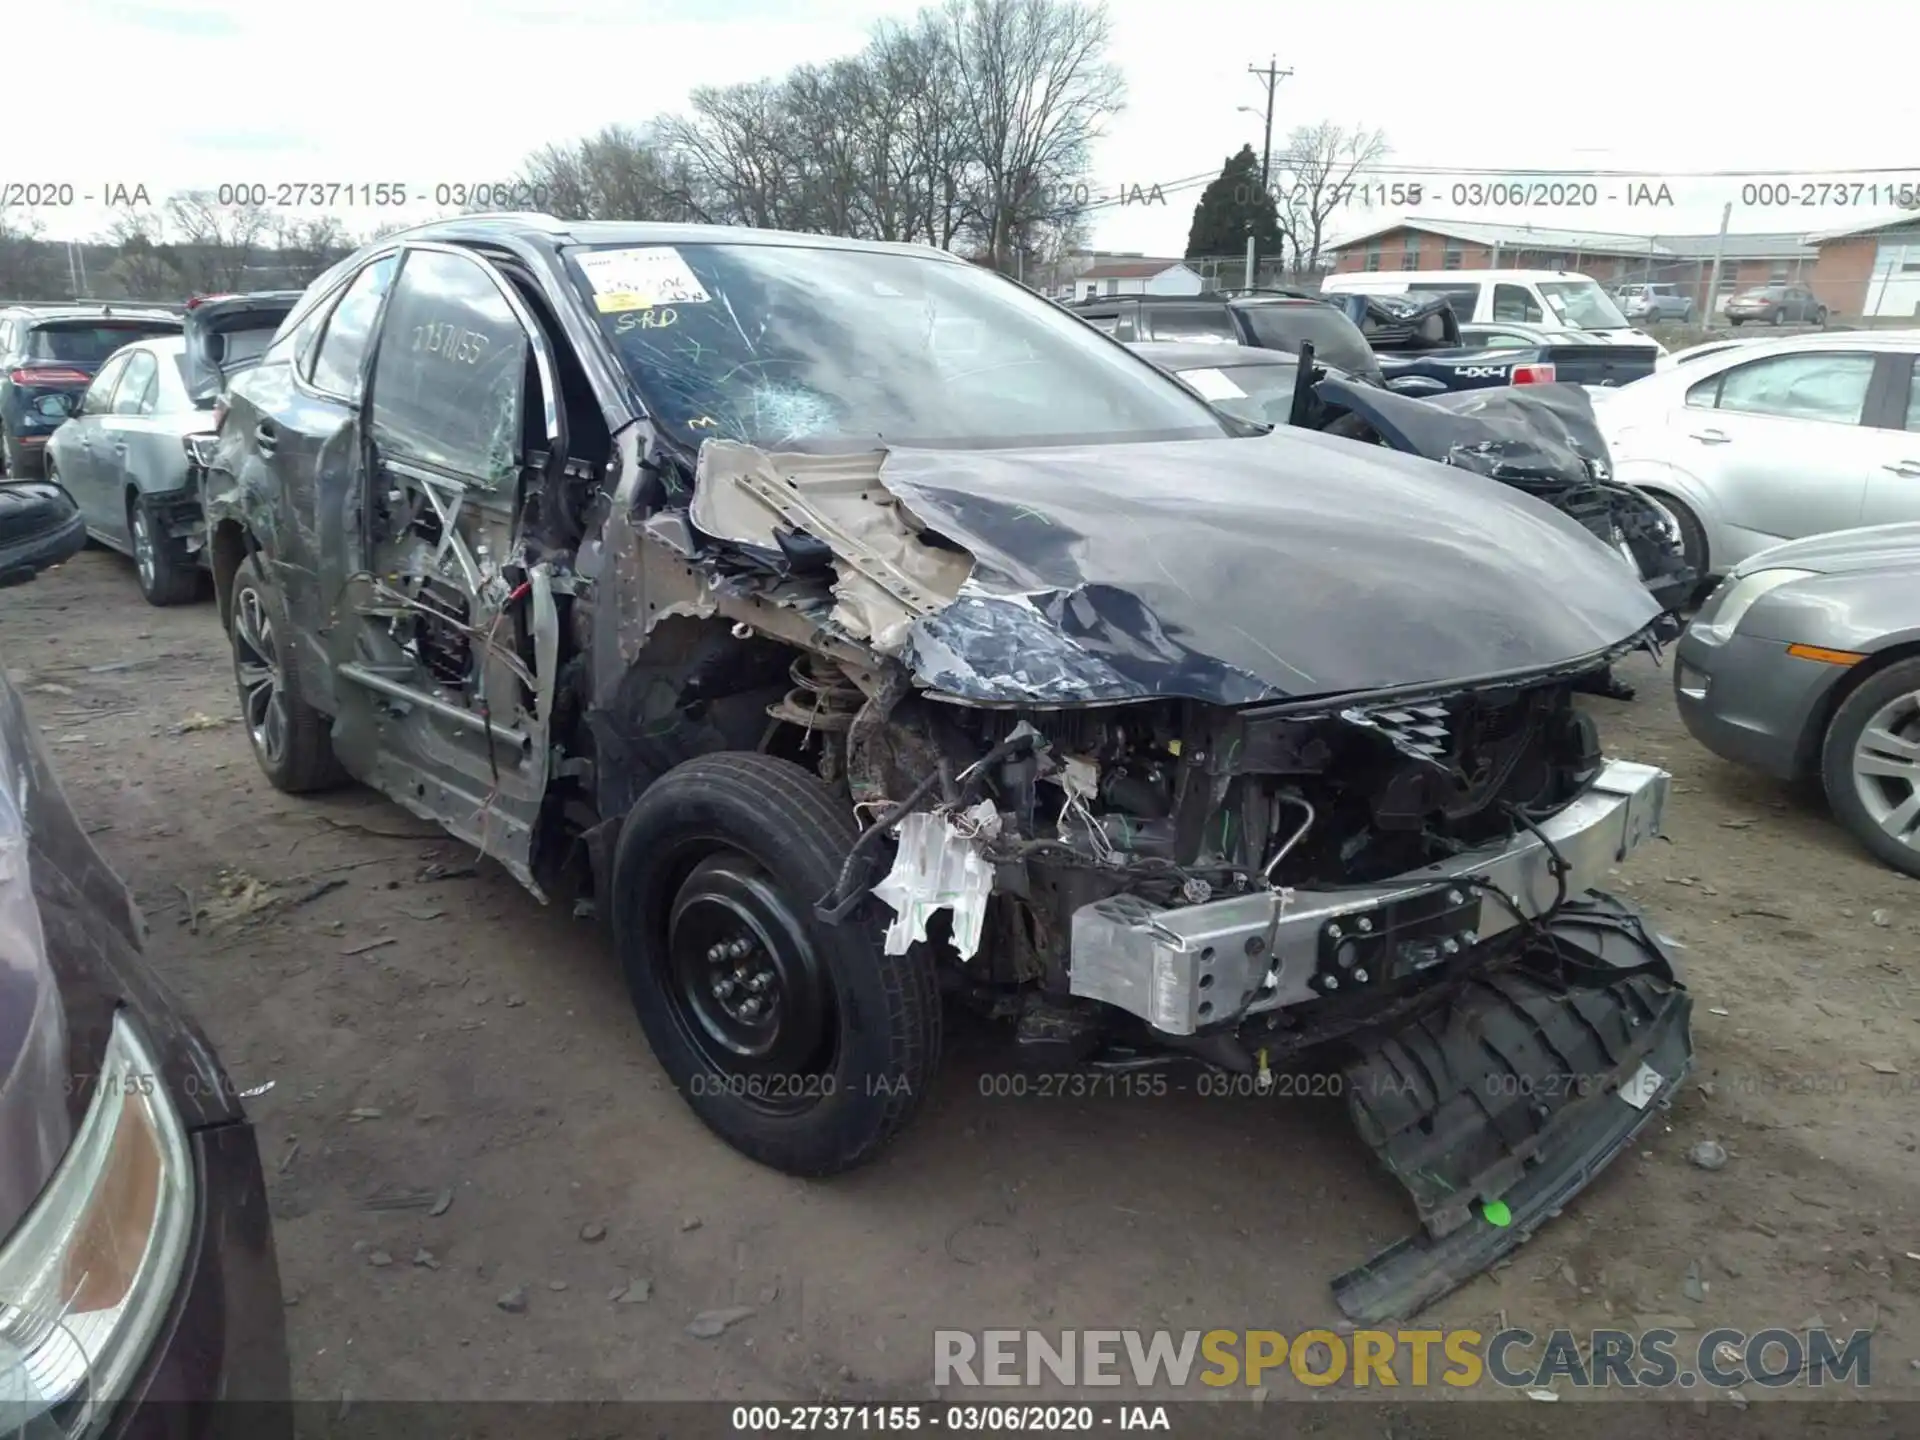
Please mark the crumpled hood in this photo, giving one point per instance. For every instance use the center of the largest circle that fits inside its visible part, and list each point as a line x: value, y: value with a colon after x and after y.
x: 1233, y: 571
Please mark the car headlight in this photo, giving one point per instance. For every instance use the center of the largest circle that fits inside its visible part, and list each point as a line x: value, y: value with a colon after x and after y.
x: 87, y: 1276
x: 1728, y: 605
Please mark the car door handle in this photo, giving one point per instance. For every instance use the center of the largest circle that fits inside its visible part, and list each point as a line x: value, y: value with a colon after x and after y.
x: 1904, y: 467
x: 1713, y: 437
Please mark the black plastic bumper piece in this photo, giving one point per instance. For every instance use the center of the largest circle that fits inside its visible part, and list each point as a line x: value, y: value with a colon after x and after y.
x: 1515, y: 1095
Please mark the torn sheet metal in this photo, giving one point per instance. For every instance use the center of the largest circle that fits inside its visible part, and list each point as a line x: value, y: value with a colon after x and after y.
x: 886, y: 572
x: 940, y: 867
x: 1232, y: 572
x: 1529, y: 433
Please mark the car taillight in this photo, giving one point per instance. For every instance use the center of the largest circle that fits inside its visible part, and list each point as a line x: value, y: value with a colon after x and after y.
x: 1533, y: 375
x: 50, y: 375
x: 197, y: 301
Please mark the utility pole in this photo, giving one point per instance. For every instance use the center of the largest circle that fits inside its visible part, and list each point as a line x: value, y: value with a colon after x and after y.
x: 1719, y: 251
x: 1271, y: 78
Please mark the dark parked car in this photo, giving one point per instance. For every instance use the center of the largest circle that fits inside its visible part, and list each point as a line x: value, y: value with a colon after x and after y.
x: 1803, y: 664
x: 1776, y: 304
x: 136, y: 1255
x: 48, y: 356
x: 134, y: 449
x: 869, y: 630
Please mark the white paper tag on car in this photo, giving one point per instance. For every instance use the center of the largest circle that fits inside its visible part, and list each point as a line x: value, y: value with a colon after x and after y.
x: 640, y: 278
x: 1213, y: 385
x: 1642, y: 1086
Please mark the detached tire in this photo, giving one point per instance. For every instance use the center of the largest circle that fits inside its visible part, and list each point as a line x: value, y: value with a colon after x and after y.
x: 292, y: 741
x: 803, y: 1045
x: 167, y: 574
x: 1870, y: 765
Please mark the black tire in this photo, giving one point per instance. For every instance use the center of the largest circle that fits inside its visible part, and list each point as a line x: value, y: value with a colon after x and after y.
x: 1693, y: 536
x: 751, y: 842
x: 301, y: 760
x: 1820, y: 317
x: 166, y: 573
x: 1733, y: 322
x: 1837, y: 758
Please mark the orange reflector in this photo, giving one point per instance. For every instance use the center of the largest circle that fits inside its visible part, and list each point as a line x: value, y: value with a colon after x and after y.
x: 1824, y: 656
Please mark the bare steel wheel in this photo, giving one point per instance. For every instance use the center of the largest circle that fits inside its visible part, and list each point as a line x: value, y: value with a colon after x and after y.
x: 1871, y: 764
x: 291, y: 740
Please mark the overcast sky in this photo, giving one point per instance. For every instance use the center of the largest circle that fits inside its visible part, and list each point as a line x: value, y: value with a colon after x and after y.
x: 422, y: 92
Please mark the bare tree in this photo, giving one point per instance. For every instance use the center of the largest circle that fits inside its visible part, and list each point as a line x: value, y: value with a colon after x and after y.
x: 1035, y: 91
x: 1316, y: 171
x: 30, y: 267
x: 733, y: 149
x: 144, y: 268
x: 305, y: 248
x: 616, y: 174
x: 933, y: 167
x: 216, y: 243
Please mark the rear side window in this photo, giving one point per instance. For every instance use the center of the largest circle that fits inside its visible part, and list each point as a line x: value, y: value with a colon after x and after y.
x: 1515, y: 304
x: 1817, y: 386
x: 1190, y: 322
x: 1913, y: 400
x: 449, y: 379
x: 1463, y: 298
x: 137, y: 384
x: 336, y: 365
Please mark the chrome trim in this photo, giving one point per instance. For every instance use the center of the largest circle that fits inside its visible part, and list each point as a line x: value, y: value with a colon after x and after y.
x: 1199, y: 966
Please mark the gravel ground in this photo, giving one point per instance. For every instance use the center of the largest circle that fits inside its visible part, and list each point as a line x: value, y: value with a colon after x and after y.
x: 430, y: 1030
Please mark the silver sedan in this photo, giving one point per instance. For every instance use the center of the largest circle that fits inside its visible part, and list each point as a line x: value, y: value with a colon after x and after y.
x: 1802, y: 664
x: 130, y: 456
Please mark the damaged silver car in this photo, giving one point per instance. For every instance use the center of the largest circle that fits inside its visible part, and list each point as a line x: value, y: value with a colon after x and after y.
x: 873, y: 635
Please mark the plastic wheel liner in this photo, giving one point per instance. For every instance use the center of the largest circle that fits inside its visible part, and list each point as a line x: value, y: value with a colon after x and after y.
x: 1501, y: 1105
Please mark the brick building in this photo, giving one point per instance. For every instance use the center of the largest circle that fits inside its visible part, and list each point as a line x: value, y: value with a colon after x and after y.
x: 1842, y: 267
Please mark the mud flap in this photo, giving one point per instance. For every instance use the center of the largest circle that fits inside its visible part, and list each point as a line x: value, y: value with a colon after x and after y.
x: 1501, y: 1106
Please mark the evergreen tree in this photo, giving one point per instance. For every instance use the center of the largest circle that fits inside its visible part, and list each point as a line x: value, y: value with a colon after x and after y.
x: 1233, y: 207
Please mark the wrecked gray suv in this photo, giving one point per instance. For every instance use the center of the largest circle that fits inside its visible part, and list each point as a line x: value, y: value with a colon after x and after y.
x: 872, y: 634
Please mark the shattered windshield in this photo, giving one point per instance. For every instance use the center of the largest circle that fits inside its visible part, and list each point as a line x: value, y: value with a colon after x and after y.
x: 777, y: 345
x: 1582, y: 304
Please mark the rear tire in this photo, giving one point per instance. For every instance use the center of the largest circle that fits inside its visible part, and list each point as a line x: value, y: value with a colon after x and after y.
x: 166, y: 572
x: 292, y: 741
x: 714, y: 881
x: 1865, y: 790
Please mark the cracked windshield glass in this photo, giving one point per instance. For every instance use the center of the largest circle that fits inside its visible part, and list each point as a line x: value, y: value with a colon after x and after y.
x: 782, y: 346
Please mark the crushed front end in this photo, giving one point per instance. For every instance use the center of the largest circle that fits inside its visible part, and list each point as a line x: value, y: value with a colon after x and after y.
x: 1141, y: 758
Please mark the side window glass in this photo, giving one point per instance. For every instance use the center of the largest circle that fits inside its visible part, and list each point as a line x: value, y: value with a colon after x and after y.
x: 1705, y: 395
x: 336, y: 368
x: 449, y: 378
x: 1513, y: 303
x: 100, y: 392
x: 1814, y: 386
x: 1913, y: 400
x: 135, y: 381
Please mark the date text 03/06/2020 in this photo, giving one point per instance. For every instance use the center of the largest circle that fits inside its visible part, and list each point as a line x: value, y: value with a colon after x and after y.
x: 960, y: 1419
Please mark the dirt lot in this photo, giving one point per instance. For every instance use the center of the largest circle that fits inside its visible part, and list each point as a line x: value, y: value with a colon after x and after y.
x: 438, y: 1030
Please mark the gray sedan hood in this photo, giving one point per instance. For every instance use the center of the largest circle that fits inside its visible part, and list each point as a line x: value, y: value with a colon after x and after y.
x: 1280, y: 567
x: 1845, y: 552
